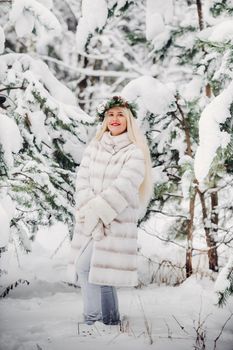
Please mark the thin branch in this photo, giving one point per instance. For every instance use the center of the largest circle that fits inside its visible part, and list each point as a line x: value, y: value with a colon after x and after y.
x: 89, y: 71
x: 224, y: 325
x: 163, y: 239
x: 168, y: 214
x: 180, y: 325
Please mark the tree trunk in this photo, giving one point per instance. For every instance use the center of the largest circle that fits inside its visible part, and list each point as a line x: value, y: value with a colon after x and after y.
x: 189, y: 251
x: 214, y: 221
x: 209, y: 232
x: 211, y: 244
x: 200, y: 14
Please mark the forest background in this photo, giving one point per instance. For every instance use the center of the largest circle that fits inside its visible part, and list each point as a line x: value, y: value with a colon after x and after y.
x: 61, y: 59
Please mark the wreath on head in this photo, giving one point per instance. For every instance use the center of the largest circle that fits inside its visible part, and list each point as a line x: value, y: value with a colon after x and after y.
x: 115, y: 101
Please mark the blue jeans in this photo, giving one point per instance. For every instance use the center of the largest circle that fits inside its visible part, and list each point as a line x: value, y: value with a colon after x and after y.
x: 100, y: 302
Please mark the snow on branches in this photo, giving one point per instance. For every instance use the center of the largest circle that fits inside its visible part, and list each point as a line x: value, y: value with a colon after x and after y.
x: 211, y: 136
x: 27, y: 15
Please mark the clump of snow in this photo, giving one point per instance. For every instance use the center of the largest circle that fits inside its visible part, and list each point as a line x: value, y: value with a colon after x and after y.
x: 192, y: 90
x: 37, y: 120
x: 4, y: 226
x: 223, y: 282
x: 186, y: 181
x: 120, y: 4
x: 7, y: 209
x: 94, y: 16
x: 10, y: 138
x: 155, y: 96
x: 29, y: 14
x: 158, y: 14
x: 155, y: 25
x: 57, y: 89
x: 211, y: 137
x: 158, y: 175
x: 82, y: 33
x: 2, y: 40
x: 220, y: 32
x: 35, y: 71
x: 187, y: 178
x: 46, y: 3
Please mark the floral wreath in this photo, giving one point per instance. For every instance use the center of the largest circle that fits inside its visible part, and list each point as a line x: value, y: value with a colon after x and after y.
x: 115, y: 101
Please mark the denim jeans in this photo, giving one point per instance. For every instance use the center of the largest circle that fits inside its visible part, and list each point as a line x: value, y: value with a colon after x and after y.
x: 100, y: 302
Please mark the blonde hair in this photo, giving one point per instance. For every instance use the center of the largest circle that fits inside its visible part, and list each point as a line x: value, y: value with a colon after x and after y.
x: 136, y: 137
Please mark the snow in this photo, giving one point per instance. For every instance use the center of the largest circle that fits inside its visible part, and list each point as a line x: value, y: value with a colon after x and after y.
x: 40, y: 80
x: 37, y: 120
x: 7, y: 211
x: 186, y: 182
x: 145, y: 90
x: 120, y: 4
x: 220, y: 32
x: 82, y: 33
x: 10, y: 138
x: 4, y: 226
x: 57, y: 89
x: 2, y: 40
x: 47, y: 3
x: 44, y: 314
x: 211, y: 137
x: 155, y: 26
x: 158, y: 175
x: 158, y: 14
x: 192, y: 90
x: 94, y: 16
x: 222, y: 281
x: 95, y: 13
x: 27, y: 14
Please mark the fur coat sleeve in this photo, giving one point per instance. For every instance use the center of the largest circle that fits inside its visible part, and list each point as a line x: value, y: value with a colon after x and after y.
x: 115, y: 198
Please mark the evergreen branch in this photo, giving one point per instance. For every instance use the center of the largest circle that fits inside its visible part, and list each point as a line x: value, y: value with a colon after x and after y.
x: 13, y: 285
x: 32, y: 180
x: 22, y: 87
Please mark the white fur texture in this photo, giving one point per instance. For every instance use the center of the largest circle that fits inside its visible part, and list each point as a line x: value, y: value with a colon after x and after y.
x: 107, y: 185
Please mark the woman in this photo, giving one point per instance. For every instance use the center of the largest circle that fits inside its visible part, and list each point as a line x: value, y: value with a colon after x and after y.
x: 113, y: 188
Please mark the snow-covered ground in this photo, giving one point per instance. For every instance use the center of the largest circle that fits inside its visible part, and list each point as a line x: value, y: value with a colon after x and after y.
x: 44, y: 314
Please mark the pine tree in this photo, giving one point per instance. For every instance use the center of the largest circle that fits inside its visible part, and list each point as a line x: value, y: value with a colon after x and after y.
x: 48, y: 133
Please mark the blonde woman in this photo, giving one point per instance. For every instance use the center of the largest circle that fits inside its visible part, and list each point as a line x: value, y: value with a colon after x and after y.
x: 113, y: 188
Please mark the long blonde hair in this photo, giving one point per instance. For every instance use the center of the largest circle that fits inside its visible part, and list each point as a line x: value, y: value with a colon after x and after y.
x: 136, y: 137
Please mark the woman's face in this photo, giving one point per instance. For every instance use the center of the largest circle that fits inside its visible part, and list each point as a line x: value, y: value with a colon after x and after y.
x: 116, y: 120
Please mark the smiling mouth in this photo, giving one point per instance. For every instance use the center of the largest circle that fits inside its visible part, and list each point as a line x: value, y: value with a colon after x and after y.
x: 115, y: 124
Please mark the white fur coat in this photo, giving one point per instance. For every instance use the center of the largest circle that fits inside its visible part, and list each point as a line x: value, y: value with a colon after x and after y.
x: 107, y: 185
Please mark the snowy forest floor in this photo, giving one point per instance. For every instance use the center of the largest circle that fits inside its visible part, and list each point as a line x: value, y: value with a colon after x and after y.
x: 43, y: 316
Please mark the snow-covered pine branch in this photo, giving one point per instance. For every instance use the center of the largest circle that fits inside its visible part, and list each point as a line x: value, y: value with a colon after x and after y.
x: 210, y: 134
x: 27, y: 15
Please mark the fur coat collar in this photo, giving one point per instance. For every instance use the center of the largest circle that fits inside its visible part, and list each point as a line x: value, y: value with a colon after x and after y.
x: 112, y: 143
